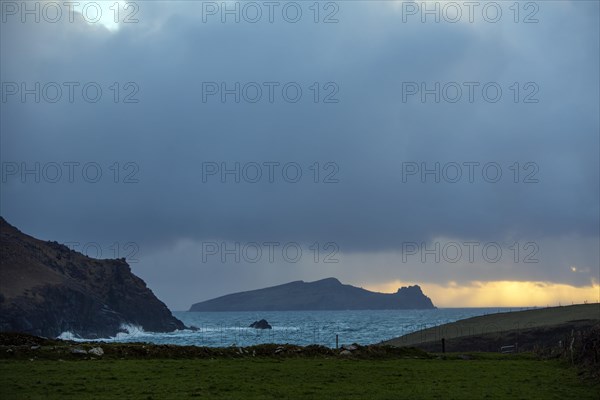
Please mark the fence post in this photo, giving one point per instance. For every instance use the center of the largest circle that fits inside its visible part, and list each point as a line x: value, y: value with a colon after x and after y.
x: 443, y: 345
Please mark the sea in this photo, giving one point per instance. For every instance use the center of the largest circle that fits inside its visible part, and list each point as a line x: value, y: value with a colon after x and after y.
x: 223, y: 329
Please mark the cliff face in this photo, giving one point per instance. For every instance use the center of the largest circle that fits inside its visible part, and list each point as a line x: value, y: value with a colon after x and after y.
x: 326, y: 294
x: 47, y: 289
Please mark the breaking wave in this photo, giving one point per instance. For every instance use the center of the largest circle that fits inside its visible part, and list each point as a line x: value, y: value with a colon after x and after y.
x: 130, y: 333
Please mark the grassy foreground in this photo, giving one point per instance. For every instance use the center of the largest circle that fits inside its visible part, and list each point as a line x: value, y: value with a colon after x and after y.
x: 481, y: 376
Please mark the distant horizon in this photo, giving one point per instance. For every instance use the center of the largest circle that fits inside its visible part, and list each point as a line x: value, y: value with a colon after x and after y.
x: 522, y: 308
x: 556, y: 303
x: 506, y: 290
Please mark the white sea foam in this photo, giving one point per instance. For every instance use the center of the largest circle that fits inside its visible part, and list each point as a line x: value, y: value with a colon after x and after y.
x: 68, y: 336
x: 131, y: 331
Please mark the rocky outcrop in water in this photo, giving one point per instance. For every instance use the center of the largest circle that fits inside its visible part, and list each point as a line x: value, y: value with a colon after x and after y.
x: 47, y: 289
x: 326, y: 294
x: 262, y: 324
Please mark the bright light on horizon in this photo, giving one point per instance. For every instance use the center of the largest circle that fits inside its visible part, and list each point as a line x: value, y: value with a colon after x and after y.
x: 500, y: 293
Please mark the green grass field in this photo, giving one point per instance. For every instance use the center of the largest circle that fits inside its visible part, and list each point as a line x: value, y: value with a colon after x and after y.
x: 497, y: 325
x: 483, y: 377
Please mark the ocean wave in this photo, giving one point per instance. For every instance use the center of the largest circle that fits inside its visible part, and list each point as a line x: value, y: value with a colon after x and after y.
x: 67, y: 335
x: 129, y: 333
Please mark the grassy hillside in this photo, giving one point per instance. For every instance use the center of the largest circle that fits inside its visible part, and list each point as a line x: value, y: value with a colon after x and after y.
x: 529, y: 326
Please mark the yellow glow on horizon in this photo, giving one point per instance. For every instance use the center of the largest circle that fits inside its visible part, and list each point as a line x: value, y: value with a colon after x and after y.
x: 500, y: 293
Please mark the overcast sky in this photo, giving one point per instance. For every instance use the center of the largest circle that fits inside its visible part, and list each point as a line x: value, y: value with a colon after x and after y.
x: 461, y: 155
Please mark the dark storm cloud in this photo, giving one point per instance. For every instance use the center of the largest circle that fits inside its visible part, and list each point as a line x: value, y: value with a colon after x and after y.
x: 368, y: 134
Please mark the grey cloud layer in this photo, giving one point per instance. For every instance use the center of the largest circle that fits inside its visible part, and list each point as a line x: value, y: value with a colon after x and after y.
x: 368, y: 134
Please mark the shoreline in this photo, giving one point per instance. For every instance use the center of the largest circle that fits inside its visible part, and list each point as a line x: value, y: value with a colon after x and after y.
x: 486, y: 333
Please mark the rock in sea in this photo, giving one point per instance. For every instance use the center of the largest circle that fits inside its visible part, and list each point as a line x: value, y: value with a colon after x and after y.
x: 262, y: 324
